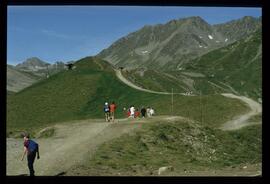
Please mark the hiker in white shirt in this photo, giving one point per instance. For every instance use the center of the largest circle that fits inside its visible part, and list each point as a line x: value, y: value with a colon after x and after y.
x: 132, y: 111
x: 148, y: 111
x: 151, y: 111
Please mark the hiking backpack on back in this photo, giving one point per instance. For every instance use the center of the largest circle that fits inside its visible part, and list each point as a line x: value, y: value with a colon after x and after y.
x: 32, y: 146
x: 106, y: 108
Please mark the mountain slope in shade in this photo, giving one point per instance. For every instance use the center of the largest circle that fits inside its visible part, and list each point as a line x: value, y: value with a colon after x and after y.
x: 18, y: 80
x: 169, y: 46
x: 30, y: 71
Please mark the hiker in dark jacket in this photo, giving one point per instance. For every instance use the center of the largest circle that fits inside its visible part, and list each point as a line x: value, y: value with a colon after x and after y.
x: 31, y: 148
x: 106, y: 109
x: 143, y: 111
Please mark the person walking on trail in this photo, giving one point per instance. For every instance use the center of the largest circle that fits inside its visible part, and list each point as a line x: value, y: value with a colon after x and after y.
x: 31, y: 148
x: 128, y: 112
x: 152, y: 111
x: 148, y: 112
x: 107, y: 112
x: 132, y: 111
x: 143, y: 111
x: 112, y: 110
x: 137, y: 113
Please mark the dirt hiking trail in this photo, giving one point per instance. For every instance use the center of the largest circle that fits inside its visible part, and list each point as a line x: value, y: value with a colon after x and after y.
x: 242, y: 120
x: 71, y: 144
x: 127, y: 82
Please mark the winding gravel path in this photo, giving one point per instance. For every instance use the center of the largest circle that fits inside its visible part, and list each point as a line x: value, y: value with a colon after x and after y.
x: 127, y: 82
x: 242, y: 120
x: 72, y: 143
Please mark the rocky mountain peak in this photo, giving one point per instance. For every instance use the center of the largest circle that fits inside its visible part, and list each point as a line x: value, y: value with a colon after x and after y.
x: 170, y: 45
x: 32, y: 62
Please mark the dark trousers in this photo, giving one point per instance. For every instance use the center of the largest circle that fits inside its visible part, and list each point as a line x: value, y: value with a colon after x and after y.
x: 143, y: 114
x: 30, y: 159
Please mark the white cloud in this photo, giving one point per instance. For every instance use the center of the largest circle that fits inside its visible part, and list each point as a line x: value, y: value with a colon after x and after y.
x: 42, y: 31
x: 54, y: 34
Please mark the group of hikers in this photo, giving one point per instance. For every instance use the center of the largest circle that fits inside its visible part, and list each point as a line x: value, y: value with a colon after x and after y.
x: 109, y: 111
x: 131, y: 112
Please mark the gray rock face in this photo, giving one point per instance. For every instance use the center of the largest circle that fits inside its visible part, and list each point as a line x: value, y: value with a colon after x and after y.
x: 32, y: 64
x: 169, y: 46
x: 238, y: 29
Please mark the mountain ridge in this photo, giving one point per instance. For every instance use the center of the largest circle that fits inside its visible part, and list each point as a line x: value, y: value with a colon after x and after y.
x: 30, y: 71
x: 170, y: 45
x: 235, y: 68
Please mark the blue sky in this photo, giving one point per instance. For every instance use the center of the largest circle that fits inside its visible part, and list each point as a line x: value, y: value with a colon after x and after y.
x: 64, y: 33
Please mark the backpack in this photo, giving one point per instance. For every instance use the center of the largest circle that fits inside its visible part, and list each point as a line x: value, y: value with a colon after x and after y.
x: 32, y: 145
x: 106, y: 109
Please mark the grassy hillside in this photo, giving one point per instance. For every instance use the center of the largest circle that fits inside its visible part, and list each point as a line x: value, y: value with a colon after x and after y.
x: 155, y: 80
x: 185, y: 146
x: 10, y: 92
x: 81, y: 93
x: 238, y: 65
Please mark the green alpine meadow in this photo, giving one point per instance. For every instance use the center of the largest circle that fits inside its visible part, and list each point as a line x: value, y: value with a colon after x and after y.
x: 187, y: 102
x: 80, y: 94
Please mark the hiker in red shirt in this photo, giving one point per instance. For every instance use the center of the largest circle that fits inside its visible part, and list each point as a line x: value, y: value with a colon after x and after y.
x: 137, y: 113
x: 128, y: 113
x: 112, y: 110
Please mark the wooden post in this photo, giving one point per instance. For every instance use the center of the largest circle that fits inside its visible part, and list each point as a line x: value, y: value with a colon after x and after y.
x: 48, y: 74
x: 172, y: 101
x: 201, y: 107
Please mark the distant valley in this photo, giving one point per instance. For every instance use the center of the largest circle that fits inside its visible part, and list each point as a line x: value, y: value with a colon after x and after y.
x: 28, y: 72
